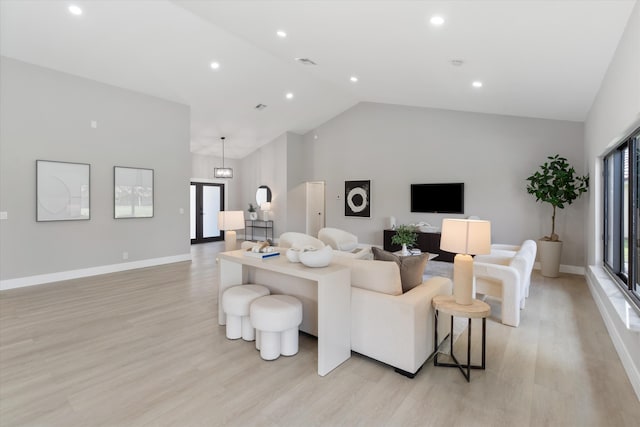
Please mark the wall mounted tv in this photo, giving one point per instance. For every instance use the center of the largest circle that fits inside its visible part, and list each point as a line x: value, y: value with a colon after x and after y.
x: 438, y: 198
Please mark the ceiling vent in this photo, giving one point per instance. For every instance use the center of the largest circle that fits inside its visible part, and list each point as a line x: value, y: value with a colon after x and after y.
x: 260, y: 107
x: 305, y: 61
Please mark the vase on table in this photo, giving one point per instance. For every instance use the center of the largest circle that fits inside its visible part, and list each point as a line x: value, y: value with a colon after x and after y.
x: 405, y: 251
x: 253, y: 216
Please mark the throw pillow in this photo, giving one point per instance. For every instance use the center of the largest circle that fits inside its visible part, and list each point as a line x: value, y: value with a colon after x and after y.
x: 411, y: 267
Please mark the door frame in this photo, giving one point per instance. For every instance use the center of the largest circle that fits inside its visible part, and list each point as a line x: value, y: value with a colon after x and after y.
x: 198, y: 213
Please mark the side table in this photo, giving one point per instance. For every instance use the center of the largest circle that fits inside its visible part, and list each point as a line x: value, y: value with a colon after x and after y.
x: 476, y: 310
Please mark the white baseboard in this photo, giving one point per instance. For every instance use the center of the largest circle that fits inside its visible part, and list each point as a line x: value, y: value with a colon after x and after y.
x: 86, y: 272
x: 571, y: 269
x: 597, y: 290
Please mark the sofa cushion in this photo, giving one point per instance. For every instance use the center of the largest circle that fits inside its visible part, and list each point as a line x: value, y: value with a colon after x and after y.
x: 411, y: 267
x: 376, y: 276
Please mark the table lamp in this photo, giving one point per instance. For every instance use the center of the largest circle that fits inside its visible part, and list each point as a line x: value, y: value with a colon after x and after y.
x: 265, y: 208
x: 465, y: 237
x: 230, y: 221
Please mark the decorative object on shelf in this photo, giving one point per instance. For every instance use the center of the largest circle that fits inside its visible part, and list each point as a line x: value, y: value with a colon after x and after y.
x: 62, y: 191
x: 425, y: 227
x: 261, y: 251
x: 223, y: 172
x: 465, y: 237
x: 405, y: 236
x: 392, y: 223
x: 357, y: 198
x: 265, y: 208
x: 293, y: 254
x: 253, y: 215
x: 555, y: 183
x: 316, y: 258
x: 262, y: 255
x: 133, y: 192
x: 230, y: 221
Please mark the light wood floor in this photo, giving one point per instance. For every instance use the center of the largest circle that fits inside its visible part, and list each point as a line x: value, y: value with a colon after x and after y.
x: 144, y: 348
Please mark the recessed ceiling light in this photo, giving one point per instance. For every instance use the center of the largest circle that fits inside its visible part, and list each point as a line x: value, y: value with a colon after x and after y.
x: 289, y: 95
x: 281, y: 34
x: 75, y: 10
x: 477, y: 83
x: 437, y: 20
x: 354, y: 79
x: 215, y: 65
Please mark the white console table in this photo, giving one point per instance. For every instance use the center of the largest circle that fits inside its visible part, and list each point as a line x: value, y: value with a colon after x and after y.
x: 334, y: 299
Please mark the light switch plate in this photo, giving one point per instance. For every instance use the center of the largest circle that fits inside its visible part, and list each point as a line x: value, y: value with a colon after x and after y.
x: 4, y: 215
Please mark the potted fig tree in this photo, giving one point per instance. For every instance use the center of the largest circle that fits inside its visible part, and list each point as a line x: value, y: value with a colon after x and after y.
x: 556, y: 183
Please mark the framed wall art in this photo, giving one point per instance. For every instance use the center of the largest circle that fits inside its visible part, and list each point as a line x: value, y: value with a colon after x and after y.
x: 357, y: 198
x: 62, y: 191
x: 133, y: 192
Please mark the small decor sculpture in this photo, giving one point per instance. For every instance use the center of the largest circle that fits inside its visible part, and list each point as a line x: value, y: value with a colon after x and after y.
x: 253, y: 215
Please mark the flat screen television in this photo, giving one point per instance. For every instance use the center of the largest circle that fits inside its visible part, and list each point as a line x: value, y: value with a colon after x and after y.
x: 438, y: 198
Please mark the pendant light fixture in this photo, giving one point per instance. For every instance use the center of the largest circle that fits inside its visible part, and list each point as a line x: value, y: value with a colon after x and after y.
x: 223, y: 172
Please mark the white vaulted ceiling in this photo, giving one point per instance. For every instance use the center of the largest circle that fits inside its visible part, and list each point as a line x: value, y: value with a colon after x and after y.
x: 541, y: 58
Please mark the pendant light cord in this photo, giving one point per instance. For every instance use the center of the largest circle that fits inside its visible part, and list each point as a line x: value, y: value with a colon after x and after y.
x: 223, y: 138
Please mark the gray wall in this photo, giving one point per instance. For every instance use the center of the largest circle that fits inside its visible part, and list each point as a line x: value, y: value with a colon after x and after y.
x: 613, y: 115
x: 46, y: 115
x: 266, y: 166
x: 394, y: 146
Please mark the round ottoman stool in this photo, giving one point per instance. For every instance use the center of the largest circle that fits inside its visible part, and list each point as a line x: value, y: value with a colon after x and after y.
x: 235, y: 304
x: 276, y: 319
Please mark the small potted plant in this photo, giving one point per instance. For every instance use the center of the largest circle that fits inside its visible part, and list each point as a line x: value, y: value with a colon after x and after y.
x: 406, y: 236
x: 555, y: 183
x: 253, y: 215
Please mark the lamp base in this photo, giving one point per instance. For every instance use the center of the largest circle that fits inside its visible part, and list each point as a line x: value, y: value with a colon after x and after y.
x: 463, y: 279
x: 230, y: 240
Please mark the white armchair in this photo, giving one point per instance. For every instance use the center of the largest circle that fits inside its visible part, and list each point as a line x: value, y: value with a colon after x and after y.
x: 344, y: 243
x: 338, y: 239
x: 506, y: 275
x: 292, y: 239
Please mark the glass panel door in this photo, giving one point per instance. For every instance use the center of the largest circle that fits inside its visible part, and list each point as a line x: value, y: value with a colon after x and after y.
x: 206, y: 201
x: 210, y: 207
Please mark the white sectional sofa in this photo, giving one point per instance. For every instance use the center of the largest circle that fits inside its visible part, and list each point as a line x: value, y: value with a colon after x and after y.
x: 390, y: 326
x: 387, y: 325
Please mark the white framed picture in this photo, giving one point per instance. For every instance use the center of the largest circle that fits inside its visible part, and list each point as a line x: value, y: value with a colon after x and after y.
x: 133, y: 192
x: 62, y: 191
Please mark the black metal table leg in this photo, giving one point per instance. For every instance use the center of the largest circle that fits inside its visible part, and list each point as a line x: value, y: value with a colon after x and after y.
x: 457, y: 364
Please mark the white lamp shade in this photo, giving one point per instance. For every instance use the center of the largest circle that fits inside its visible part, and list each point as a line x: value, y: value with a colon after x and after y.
x: 466, y: 236
x: 266, y: 206
x: 230, y: 220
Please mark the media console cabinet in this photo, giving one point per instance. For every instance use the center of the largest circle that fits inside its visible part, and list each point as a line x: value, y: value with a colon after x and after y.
x: 427, y: 242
